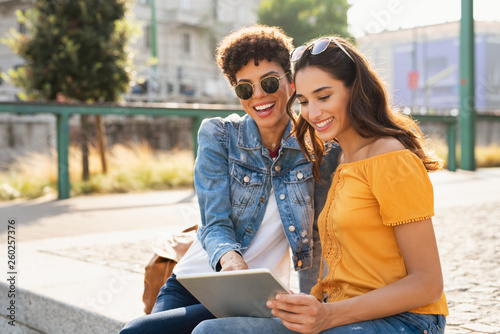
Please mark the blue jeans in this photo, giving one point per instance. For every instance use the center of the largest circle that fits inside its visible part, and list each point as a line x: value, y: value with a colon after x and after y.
x: 400, y: 323
x: 176, y: 311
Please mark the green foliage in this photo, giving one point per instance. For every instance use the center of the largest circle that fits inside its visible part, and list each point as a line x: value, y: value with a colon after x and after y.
x: 79, y: 48
x: 305, y: 19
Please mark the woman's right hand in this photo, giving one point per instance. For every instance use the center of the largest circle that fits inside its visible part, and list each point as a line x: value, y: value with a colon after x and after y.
x: 300, y: 312
x: 232, y: 261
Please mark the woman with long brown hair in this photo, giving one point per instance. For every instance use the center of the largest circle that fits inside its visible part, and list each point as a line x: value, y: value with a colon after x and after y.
x: 384, y: 273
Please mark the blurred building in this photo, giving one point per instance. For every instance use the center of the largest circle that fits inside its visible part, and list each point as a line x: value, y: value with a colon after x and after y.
x: 421, y: 66
x: 187, y: 33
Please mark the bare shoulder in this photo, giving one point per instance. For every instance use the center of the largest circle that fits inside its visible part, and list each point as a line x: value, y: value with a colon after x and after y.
x: 385, y: 145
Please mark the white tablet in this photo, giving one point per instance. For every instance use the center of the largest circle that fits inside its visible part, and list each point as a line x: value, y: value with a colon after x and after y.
x: 239, y: 293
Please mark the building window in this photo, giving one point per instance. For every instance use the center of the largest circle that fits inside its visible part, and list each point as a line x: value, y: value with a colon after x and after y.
x: 186, y: 43
x: 215, y: 5
x: 21, y: 26
x: 147, y: 36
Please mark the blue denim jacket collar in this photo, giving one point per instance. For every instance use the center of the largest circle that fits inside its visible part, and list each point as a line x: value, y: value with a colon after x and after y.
x: 249, y: 139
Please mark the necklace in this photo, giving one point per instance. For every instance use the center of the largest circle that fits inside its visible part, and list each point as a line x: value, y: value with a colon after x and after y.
x: 273, y: 152
x: 271, y: 145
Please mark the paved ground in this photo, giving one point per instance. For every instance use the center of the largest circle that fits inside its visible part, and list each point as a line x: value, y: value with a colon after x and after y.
x: 89, y: 252
x: 469, y: 242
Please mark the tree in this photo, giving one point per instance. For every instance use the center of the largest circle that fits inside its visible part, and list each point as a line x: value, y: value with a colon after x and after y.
x: 77, y: 49
x: 306, y: 19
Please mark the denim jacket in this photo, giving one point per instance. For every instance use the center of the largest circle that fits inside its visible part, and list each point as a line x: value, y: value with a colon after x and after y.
x: 233, y: 177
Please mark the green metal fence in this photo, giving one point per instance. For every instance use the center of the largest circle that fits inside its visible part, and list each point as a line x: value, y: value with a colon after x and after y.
x: 451, y: 135
x: 452, y: 122
x: 62, y: 112
x: 197, y: 112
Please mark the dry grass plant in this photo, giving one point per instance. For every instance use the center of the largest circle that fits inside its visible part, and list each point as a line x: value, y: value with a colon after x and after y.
x: 137, y: 167
x: 134, y: 167
x: 486, y: 156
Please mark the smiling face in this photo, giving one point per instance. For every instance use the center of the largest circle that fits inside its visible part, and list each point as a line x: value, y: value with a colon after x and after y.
x: 323, y: 103
x: 267, y: 110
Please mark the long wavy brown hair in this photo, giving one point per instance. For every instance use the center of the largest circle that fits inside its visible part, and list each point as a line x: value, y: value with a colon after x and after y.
x: 368, y: 107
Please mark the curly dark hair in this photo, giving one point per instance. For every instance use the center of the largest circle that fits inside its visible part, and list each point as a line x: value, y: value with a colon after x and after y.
x: 257, y: 42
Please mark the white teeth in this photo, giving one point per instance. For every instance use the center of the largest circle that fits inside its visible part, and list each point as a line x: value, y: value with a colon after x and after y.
x: 324, y: 123
x: 264, y: 106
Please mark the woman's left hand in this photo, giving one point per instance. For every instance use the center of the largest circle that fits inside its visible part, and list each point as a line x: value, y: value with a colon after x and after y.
x: 301, y: 313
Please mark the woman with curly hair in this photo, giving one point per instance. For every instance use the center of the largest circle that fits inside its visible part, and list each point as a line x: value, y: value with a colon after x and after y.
x: 384, y: 273
x: 254, y: 185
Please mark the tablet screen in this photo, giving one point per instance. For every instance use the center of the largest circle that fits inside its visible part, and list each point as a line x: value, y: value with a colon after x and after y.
x: 242, y: 293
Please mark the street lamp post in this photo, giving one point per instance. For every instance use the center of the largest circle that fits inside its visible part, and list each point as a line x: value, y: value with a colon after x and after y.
x: 152, y: 80
x: 467, y: 97
x: 154, y: 53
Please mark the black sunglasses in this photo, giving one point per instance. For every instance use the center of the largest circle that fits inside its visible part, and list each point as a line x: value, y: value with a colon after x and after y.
x: 269, y: 85
x: 318, y: 46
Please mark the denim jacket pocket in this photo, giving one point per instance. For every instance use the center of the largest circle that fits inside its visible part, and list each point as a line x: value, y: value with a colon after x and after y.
x: 245, y: 185
x: 300, y: 182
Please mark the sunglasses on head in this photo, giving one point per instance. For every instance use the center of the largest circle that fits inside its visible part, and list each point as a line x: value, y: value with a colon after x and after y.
x: 318, y: 46
x: 269, y: 85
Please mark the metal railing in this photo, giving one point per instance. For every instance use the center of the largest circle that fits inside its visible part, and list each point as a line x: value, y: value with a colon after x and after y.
x: 197, y: 112
x: 452, y: 123
x: 62, y: 112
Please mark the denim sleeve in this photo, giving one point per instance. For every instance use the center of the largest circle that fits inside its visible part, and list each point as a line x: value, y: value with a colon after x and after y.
x: 212, y: 185
x: 309, y: 277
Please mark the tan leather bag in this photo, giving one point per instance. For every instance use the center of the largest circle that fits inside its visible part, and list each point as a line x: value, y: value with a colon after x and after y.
x: 168, y: 251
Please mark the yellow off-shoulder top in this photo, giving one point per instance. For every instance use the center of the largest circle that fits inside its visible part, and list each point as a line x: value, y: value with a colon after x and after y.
x: 366, y: 200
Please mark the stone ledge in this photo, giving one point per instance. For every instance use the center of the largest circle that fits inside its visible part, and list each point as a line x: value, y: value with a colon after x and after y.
x: 36, y: 314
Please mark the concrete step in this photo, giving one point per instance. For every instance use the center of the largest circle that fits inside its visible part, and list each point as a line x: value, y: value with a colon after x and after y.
x: 80, y: 262
x: 37, y: 314
x: 89, y: 284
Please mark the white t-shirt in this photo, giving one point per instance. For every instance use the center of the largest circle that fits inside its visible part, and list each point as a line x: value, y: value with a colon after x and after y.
x: 269, y: 249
